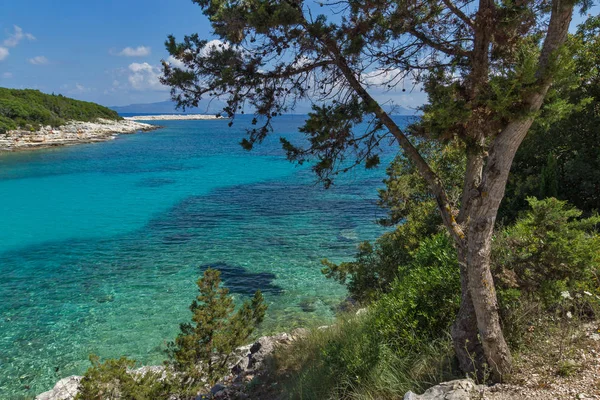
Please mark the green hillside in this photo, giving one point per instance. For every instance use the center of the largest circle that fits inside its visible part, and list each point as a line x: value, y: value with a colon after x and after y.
x: 31, y: 108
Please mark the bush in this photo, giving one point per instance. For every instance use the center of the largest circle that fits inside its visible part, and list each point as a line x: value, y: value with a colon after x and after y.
x: 375, y: 266
x: 549, y: 251
x: 424, y: 298
x: 114, y: 379
x: 204, y: 346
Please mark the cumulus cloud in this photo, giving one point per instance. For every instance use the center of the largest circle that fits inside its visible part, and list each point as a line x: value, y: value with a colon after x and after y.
x: 140, y: 51
x: 3, y: 53
x: 39, y: 60
x: 7, y: 75
x: 143, y: 76
x: 215, y: 44
x: 16, y: 37
x: 175, y: 62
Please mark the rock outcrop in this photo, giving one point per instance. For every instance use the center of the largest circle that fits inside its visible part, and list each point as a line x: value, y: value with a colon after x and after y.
x: 247, y: 362
x: 65, y: 389
x: 74, y: 132
x: 462, y: 389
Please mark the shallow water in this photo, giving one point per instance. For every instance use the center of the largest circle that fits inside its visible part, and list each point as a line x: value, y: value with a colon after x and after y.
x: 101, y: 244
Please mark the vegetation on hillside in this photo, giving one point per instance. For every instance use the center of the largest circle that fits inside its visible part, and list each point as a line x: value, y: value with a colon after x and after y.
x: 30, y: 109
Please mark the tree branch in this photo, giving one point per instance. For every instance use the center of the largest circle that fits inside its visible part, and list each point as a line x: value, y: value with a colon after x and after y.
x: 451, y: 51
x: 458, y: 12
x: 434, y: 182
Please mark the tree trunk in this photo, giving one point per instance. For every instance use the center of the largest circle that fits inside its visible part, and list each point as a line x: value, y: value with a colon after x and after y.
x: 465, y: 336
x: 483, y: 296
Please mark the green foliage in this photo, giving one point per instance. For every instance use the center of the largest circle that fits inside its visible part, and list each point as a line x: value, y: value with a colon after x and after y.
x: 376, y: 265
x: 32, y: 108
x: 424, y: 298
x: 408, y: 202
x: 114, y: 379
x: 549, y: 251
x: 203, y: 347
x: 567, y: 131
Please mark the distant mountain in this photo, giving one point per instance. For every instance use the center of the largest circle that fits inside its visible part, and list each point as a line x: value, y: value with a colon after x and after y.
x: 215, y: 106
x: 399, y: 110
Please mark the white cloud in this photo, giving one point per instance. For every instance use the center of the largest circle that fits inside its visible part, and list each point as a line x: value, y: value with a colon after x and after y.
x: 39, y: 60
x: 175, y: 62
x: 140, y: 51
x: 213, y: 45
x: 17, y: 35
x: 143, y: 76
x: 381, y: 77
x: 3, y: 53
x: 7, y: 75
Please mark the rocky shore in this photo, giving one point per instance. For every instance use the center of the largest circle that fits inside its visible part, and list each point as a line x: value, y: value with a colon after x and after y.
x: 169, y: 117
x: 247, y: 363
x: 74, y: 132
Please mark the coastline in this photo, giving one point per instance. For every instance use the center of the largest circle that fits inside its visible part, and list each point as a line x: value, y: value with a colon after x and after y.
x: 174, y: 117
x: 72, y: 133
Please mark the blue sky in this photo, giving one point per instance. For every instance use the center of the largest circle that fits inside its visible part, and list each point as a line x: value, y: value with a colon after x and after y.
x: 75, y: 47
x: 106, y: 51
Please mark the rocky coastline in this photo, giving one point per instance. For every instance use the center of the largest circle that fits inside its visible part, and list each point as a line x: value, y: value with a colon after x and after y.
x: 73, y: 132
x: 247, y: 362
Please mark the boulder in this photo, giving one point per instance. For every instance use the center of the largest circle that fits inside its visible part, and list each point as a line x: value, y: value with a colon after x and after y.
x: 461, y: 389
x: 65, y: 389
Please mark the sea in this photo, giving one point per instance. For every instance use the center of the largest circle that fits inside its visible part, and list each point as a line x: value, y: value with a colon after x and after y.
x: 101, y: 244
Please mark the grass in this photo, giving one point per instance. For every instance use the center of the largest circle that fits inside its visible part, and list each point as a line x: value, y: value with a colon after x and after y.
x: 349, y: 360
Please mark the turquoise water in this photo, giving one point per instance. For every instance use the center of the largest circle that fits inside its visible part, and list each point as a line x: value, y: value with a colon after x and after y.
x: 101, y: 244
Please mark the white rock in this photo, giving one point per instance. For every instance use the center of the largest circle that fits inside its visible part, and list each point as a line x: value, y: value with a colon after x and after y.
x: 461, y: 389
x: 65, y: 389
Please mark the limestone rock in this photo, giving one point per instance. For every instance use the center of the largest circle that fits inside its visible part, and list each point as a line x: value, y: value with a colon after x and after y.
x: 65, y: 389
x: 461, y: 389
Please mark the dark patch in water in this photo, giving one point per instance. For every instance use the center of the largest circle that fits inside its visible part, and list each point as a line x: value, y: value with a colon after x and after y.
x: 155, y: 182
x: 308, y: 305
x: 240, y: 280
x: 178, y: 238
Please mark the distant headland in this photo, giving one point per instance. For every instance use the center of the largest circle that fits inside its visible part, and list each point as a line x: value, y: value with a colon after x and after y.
x: 30, y: 119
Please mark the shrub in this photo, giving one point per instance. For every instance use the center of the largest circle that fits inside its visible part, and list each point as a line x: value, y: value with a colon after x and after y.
x: 204, y: 346
x: 549, y: 251
x: 424, y: 297
x: 376, y: 265
x: 114, y: 379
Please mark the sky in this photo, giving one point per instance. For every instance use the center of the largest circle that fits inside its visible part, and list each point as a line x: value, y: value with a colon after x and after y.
x: 105, y: 51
